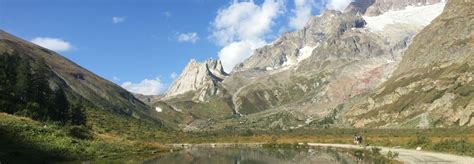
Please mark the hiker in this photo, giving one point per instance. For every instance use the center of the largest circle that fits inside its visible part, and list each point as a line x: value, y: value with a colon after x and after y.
x: 356, y: 139
x: 359, y: 140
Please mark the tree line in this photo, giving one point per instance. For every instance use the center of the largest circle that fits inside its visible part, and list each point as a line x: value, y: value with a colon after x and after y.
x: 25, y: 91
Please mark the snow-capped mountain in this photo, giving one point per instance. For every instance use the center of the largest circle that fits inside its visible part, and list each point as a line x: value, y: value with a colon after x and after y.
x: 307, y: 76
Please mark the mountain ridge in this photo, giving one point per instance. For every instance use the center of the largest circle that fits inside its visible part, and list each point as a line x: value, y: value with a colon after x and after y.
x: 79, y: 82
x: 328, y: 73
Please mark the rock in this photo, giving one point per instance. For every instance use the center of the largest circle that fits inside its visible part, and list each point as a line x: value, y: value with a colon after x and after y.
x: 434, y: 78
x: 203, y: 78
x: 377, y: 7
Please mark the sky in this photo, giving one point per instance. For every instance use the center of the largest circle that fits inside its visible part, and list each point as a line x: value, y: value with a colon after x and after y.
x: 143, y: 45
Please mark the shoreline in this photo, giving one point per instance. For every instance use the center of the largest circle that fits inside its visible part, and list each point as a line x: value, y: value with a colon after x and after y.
x: 405, y: 155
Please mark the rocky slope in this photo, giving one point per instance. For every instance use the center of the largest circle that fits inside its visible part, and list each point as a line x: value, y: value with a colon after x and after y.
x: 78, y: 83
x: 347, y: 57
x: 303, y: 78
x: 433, y: 85
x: 201, y: 78
x: 378, y: 7
x: 196, y: 96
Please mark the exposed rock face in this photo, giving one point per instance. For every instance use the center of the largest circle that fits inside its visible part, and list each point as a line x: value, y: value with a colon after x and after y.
x: 346, y: 58
x: 302, y: 78
x: 287, y: 49
x: 433, y: 85
x: 377, y: 7
x: 201, y: 78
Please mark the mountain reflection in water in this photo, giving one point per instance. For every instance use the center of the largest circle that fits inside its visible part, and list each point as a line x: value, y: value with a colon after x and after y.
x: 253, y: 156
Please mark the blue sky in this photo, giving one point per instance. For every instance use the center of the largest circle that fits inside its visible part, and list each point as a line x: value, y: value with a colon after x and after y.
x: 132, y: 41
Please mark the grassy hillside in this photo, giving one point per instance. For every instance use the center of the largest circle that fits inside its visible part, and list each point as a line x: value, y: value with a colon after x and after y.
x: 25, y: 140
x: 58, y: 110
x: 78, y: 83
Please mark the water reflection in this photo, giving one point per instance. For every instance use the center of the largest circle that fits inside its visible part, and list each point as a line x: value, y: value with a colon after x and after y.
x: 253, y: 156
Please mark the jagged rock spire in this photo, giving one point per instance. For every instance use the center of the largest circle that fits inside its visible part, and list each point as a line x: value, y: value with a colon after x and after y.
x: 200, y: 77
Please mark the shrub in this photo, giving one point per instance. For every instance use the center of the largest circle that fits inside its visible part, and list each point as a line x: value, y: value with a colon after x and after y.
x: 392, y: 155
x: 359, y: 154
x: 419, y: 141
x: 375, y: 151
x: 456, y: 146
x: 248, y: 132
x: 80, y: 132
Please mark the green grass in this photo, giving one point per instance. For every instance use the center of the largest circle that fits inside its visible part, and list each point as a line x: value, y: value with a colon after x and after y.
x: 25, y: 140
x: 122, y: 126
x: 22, y: 137
x: 455, y: 146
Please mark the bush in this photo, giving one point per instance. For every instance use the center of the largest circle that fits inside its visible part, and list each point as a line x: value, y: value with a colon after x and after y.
x: 359, y: 154
x: 248, y: 132
x: 455, y: 146
x: 80, y: 132
x: 375, y: 151
x: 392, y: 155
x: 419, y: 141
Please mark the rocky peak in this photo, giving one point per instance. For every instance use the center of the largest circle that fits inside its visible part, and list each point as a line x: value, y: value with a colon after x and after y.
x: 377, y: 7
x: 295, y: 46
x: 215, y: 69
x: 199, y: 77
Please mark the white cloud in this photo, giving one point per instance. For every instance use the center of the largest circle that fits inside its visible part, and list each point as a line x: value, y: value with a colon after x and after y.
x: 54, y: 44
x: 145, y: 87
x: 241, y: 27
x: 301, y: 13
x: 117, y: 19
x: 173, y: 75
x: 304, y: 8
x: 237, y: 52
x: 338, y: 4
x: 188, y: 37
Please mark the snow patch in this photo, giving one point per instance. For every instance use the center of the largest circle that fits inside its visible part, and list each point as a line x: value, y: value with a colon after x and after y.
x: 303, y: 53
x: 269, y: 68
x: 413, y: 15
x: 289, y: 62
x: 158, y: 109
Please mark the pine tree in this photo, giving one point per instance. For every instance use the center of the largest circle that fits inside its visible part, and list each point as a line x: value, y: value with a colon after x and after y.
x: 77, y: 114
x: 22, y: 83
x: 25, y: 90
x: 7, y: 81
x: 59, y: 107
x: 22, y: 78
x: 40, y: 91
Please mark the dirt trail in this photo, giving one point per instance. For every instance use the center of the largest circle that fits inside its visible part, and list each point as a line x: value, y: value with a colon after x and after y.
x: 411, y: 156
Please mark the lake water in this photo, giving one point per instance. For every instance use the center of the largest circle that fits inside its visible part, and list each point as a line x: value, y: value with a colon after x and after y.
x: 253, y: 156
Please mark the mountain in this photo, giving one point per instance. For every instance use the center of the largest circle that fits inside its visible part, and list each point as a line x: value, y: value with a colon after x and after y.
x: 303, y: 77
x: 433, y: 85
x: 196, y: 96
x: 333, y: 71
x: 78, y: 84
x: 202, y: 78
x: 378, y: 7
